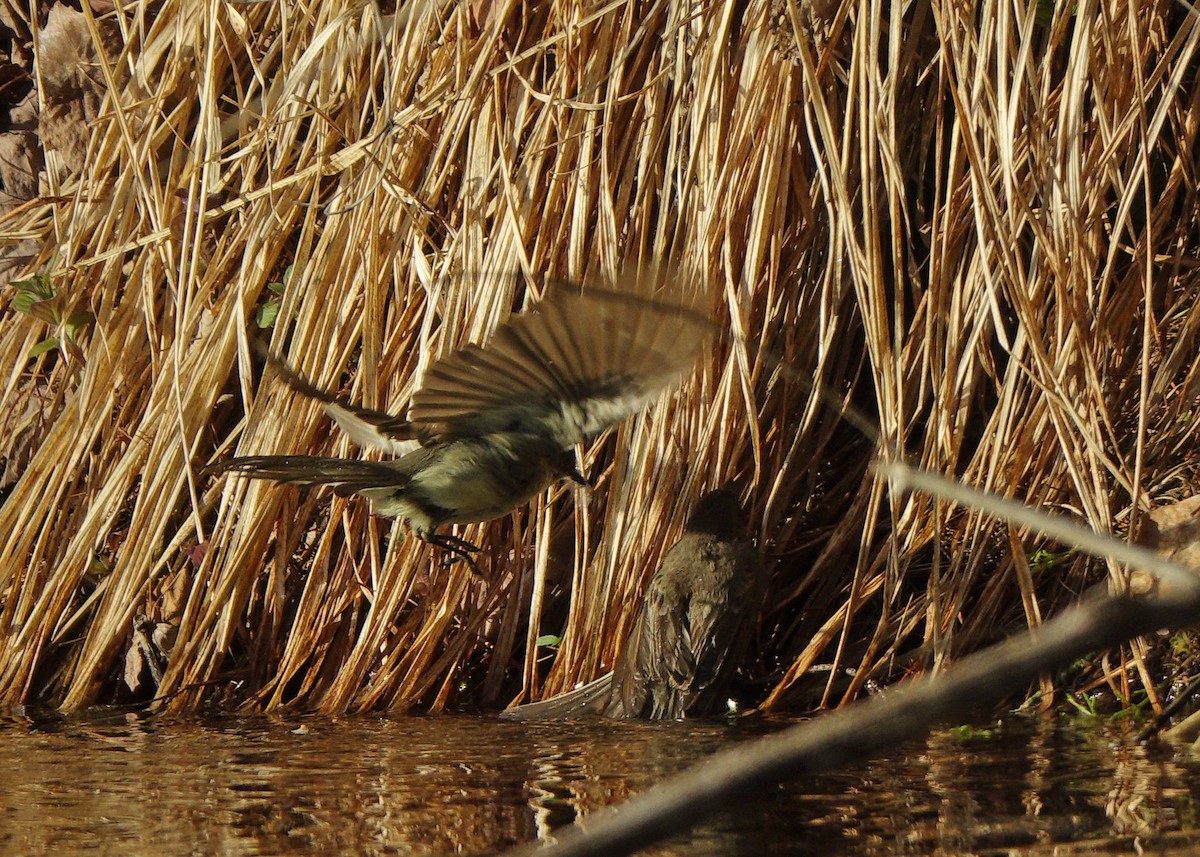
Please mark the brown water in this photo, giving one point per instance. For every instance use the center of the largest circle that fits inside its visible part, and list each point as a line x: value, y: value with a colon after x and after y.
x: 474, y: 785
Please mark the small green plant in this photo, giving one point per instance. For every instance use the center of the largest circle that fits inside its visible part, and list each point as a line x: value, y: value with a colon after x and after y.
x: 1135, y: 709
x: 1086, y: 704
x: 269, y: 312
x: 38, y: 297
x: 1100, y: 705
x: 97, y: 569
x: 1183, y: 644
x: 967, y: 732
x: 1042, y: 560
x: 1044, y: 12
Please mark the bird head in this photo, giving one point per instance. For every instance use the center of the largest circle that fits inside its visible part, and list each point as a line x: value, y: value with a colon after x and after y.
x: 567, y: 467
x: 719, y: 513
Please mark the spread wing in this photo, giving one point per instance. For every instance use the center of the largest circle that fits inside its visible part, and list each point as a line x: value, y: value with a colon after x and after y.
x: 366, y: 427
x: 576, y: 364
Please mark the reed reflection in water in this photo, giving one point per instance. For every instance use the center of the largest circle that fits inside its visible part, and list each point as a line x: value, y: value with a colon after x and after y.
x: 438, y: 785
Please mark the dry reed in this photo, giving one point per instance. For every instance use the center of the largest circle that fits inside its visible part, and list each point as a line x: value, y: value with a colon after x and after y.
x: 976, y: 222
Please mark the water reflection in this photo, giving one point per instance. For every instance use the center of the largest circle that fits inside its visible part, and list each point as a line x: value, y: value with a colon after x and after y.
x: 251, y: 786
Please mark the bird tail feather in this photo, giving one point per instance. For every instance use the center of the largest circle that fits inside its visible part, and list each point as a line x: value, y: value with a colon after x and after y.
x: 343, y: 476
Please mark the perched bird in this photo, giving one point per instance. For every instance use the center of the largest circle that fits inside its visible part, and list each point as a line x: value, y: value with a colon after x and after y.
x: 699, y: 614
x: 491, y: 426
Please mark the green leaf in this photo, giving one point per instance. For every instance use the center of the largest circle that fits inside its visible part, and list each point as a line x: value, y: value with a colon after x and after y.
x: 23, y: 302
x: 47, y: 344
x: 98, y: 568
x: 39, y: 287
x: 47, y: 311
x: 267, y: 313
x: 279, y: 285
x: 77, y: 321
x: 33, y: 297
x: 1042, y: 560
x: 80, y: 318
x: 1044, y: 12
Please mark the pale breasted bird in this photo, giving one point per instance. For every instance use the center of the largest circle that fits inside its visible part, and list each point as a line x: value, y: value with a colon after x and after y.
x: 491, y: 426
x: 697, y: 619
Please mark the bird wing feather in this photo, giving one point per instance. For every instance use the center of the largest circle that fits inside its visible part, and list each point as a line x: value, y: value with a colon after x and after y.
x: 576, y: 364
x: 365, y: 426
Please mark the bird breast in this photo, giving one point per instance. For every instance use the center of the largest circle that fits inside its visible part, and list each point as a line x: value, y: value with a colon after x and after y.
x: 480, y: 478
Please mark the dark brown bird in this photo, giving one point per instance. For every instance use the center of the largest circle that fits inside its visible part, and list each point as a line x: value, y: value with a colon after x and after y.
x: 693, y: 630
x: 491, y: 426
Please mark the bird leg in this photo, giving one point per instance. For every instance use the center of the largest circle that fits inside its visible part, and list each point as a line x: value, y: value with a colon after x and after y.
x: 458, y: 549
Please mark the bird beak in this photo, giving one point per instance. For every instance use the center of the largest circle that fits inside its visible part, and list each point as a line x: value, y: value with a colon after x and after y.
x: 579, y: 479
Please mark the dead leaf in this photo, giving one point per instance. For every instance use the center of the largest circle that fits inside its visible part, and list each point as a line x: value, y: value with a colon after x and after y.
x: 65, y: 127
x: 148, y: 653
x: 65, y: 52
x: 19, y: 165
x: 1173, y: 531
x: 15, y: 83
x: 176, y: 588
x: 14, y: 17
x: 135, y: 666
x: 20, y: 152
x: 22, y: 428
x: 73, y: 88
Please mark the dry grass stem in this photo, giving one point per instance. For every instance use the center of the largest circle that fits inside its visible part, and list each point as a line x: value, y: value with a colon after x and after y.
x: 974, y: 223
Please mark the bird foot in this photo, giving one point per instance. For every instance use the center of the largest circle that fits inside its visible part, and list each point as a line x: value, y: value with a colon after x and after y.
x: 456, y: 550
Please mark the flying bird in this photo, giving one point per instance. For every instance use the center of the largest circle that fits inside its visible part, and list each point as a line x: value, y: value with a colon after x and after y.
x: 493, y: 425
x: 698, y: 617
